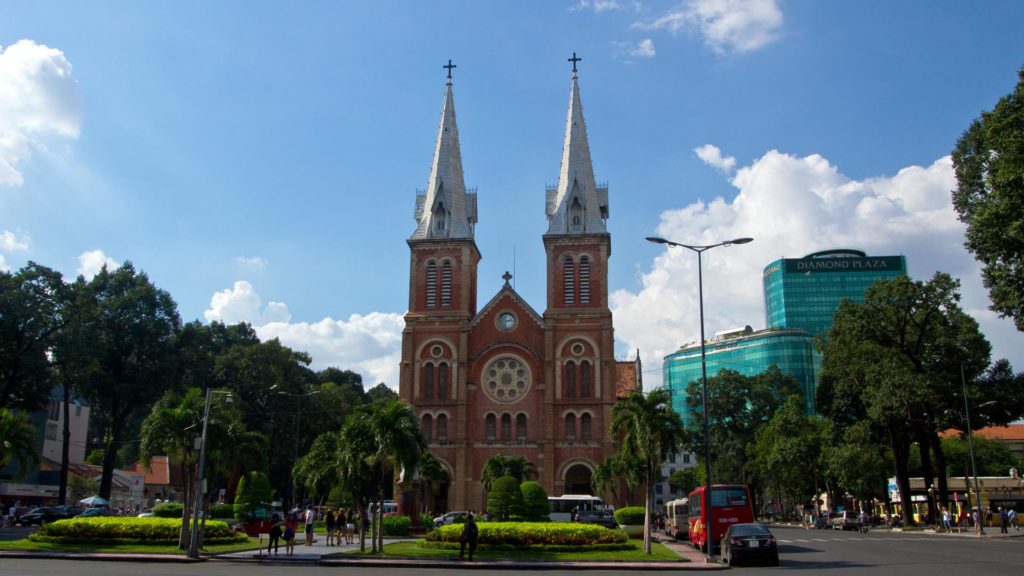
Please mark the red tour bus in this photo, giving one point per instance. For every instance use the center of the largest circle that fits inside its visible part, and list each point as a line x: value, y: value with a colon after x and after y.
x: 731, y: 504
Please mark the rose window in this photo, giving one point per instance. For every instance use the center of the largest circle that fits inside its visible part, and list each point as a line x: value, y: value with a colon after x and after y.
x: 506, y: 379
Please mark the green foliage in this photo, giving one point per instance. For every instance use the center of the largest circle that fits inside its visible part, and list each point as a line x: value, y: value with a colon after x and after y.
x: 339, y: 498
x: 119, y: 530
x: 427, y: 521
x: 80, y: 487
x: 517, y: 467
x: 168, y: 510
x: 19, y: 440
x: 992, y: 458
x: 989, y: 165
x: 788, y: 453
x: 525, y: 535
x: 630, y: 515
x: 536, y: 507
x: 254, y: 493
x: 686, y: 480
x: 505, y: 500
x: 397, y: 525
x: 222, y: 511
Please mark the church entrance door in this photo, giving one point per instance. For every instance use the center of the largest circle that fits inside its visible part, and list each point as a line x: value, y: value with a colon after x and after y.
x: 578, y: 479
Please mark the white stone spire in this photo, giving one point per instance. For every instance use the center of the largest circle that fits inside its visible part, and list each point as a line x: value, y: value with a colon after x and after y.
x: 446, y: 209
x: 576, y: 205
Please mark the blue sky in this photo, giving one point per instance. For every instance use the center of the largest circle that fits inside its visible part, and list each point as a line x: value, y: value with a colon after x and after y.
x: 260, y: 160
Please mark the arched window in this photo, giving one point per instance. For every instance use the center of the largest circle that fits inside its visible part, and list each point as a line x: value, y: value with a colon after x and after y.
x: 506, y: 427
x: 428, y: 381
x: 428, y: 422
x: 431, y: 284
x: 584, y: 280
x: 585, y: 428
x: 570, y: 427
x: 442, y: 381
x: 568, y: 281
x: 489, y: 425
x: 521, y: 427
x: 442, y: 427
x: 585, y: 379
x: 446, y: 283
x: 570, y: 379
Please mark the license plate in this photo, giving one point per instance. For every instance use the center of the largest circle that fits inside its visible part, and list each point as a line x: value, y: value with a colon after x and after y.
x: 754, y: 543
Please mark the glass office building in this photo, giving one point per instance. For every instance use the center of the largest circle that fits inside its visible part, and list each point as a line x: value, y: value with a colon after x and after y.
x: 747, y: 352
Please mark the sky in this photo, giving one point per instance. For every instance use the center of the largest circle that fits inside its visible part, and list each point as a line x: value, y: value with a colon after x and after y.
x: 259, y: 160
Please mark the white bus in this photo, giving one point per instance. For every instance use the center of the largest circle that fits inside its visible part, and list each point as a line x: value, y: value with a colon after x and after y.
x: 677, y: 523
x: 561, y: 506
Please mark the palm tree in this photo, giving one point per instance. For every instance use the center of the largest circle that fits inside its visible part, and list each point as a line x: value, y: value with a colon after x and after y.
x: 318, y: 469
x: 432, y: 477
x: 18, y: 441
x: 500, y: 465
x: 650, y: 430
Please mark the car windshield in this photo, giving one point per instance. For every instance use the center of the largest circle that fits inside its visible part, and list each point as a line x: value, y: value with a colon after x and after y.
x: 750, y: 530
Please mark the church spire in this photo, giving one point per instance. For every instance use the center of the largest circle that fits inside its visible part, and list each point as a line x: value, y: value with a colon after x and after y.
x: 576, y: 205
x: 446, y: 209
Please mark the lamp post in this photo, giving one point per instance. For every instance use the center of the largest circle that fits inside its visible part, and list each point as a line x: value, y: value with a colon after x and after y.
x: 193, y: 548
x: 704, y: 378
x: 298, y: 413
x: 970, y: 448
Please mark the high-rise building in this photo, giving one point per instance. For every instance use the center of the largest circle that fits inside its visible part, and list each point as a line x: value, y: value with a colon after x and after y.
x: 504, y: 379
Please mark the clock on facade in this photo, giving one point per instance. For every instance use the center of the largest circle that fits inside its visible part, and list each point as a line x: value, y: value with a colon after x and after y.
x: 506, y: 321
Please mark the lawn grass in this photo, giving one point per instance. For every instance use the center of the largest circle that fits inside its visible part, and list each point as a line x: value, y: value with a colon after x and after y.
x: 30, y: 546
x: 659, y: 553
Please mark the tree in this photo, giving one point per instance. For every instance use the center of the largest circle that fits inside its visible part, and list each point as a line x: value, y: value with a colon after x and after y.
x: 505, y: 499
x: 31, y: 306
x: 318, y: 468
x: 130, y: 324
x: 536, y: 507
x: 254, y: 494
x: 432, y: 476
x: 989, y: 164
x: 686, y: 480
x: 517, y: 467
x: 81, y: 487
x: 651, y: 430
x: 381, y: 394
x: 18, y: 441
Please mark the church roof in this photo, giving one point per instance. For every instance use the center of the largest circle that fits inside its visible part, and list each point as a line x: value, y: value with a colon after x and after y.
x: 515, y: 296
x: 445, y: 209
x: 576, y: 205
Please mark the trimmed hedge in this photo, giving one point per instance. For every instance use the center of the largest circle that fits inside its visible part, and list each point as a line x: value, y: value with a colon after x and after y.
x: 397, y: 525
x: 221, y: 511
x: 530, y: 535
x: 168, y: 510
x: 117, y: 530
x: 630, y: 516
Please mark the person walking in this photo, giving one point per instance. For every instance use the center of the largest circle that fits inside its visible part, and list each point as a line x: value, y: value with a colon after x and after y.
x: 310, y: 520
x: 1003, y: 520
x: 290, y: 526
x: 350, y: 526
x: 947, y: 521
x: 329, y: 519
x: 976, y: 516
x: 275, y: 534
x: 470, y: 533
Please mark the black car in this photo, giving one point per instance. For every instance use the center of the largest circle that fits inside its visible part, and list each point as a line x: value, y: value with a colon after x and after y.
x: 46, y: 514
x: 749, y: 542
x: 599, y: 517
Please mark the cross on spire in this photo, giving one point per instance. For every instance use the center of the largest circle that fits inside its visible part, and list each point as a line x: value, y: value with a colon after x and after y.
x: 449, y: 66
x: 506, y: 277
x: 574, y: 60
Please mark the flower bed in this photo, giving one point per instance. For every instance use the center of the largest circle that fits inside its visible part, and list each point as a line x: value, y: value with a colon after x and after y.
x: 115, y: 530
x: 532, y: 535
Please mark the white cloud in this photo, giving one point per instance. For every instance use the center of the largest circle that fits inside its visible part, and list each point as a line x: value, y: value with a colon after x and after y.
x: 3, y: 264
x: 602, y: 5
x: 255, y: 263
x: 368, y: 344
x: 90, y: 263
x: 38, y: 99
x: 644, y: 49
x: 793, y: 206
x: 10, y: 242
x: 712, y: 156
x: 735, y: 26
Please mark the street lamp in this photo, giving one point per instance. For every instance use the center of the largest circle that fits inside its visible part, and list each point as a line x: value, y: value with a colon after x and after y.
x: 970, y: 448
x: 298, y: 413
x: 704, y: 376
x: 193, y: 549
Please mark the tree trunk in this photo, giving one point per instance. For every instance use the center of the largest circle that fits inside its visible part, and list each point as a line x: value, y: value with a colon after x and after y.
x: 65, y: 456
x: 647, y: 507
x: 109, y: 458
x: 927, y: 471
x: 183, y: 534
x: 941, y: 468
x: 900, y: 450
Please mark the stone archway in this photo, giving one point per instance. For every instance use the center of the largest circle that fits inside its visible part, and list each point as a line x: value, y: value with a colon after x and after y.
x: 578, y: 480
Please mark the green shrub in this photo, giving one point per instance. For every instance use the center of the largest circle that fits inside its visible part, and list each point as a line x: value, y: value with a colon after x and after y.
x: 535, y: 501
x: 222, y: 511
x: 168, y: 510
x: 397, y: 525
x: 253, y: 495
x: 630, y: 515
x: 427, y: 521
x: 505, y: 500
x: 120, y: 530
x: 530, y: 535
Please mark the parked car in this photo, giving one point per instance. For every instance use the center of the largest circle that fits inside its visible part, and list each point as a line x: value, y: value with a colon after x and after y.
x: 599, y: 517
x: 93, y: 512
x: 846, y: 520
x: 46, y: 514
x: 449, y: 518
x: 823, y: 520
x: 749, y: 542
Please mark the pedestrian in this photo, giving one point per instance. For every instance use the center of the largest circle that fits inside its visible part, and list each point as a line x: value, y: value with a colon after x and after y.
x: 329, y: 526
x: 1003, y: 520
x: 469, y: 536
x: 275, y: 534
x: 290, y: 526
x: 947, y: 521
x: 350, y: 525
x: 1011, y: 518
x: 575, y: 514
x: 961, y: 523
x: 310, y: 520
x: 976, y: 517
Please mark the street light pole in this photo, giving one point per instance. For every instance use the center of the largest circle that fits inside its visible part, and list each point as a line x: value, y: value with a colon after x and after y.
x: 706, y: 505
x: 193, y: 549
x: 970, y: 448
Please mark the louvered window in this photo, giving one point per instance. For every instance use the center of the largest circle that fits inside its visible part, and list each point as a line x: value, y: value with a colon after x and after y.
x: 570, y: 427
x: 570, y: 379
x: 585, y: 379
x: 569, y: 281
x: 426, y: 427
x: 489, y: 425
x: 584, y: 428
x: 428, y: 381
x: 442, y: 427
x: 521, y: 427
x: 506, y: 427
x: 446, y: 284
x: 584, y: 280
x: 431, y: 284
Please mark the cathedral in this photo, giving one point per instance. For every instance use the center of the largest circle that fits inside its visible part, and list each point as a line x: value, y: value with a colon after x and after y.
x: 502, y: 378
